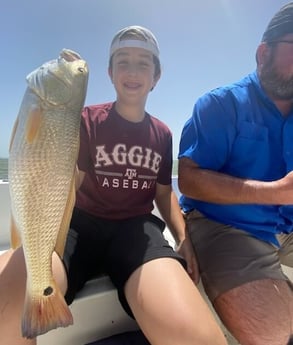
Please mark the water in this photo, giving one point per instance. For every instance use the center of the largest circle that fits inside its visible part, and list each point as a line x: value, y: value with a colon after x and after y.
x: 4, y: 168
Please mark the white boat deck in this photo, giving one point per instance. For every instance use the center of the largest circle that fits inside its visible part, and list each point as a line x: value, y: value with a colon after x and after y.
x: 96, y: 311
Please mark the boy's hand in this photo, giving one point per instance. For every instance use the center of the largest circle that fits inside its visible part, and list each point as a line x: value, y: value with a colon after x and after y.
x: 185, y: 249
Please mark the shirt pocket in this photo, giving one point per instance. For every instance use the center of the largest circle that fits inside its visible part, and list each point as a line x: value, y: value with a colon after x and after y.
x: 250, y: 155
x: 252, y: 132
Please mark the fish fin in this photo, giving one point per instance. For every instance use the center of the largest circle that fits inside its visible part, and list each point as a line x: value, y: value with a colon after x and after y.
x: 33, y: 123
x: 15, y: 238
x: 45, y: 312
x: 64, y: 227
x: 13, y: 133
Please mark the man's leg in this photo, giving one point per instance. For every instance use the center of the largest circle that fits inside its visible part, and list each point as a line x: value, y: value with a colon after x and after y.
x: 259, y: 312
x: 243, y: 278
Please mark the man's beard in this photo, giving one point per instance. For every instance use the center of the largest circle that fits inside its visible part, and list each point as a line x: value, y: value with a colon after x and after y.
x: 275, y: 84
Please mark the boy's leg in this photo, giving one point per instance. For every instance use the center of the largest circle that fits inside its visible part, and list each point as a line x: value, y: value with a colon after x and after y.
x: 169, y: 307
x: 12, y: 292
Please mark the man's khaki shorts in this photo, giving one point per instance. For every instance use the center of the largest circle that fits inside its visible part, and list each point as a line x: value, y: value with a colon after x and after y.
x: 229, y: 257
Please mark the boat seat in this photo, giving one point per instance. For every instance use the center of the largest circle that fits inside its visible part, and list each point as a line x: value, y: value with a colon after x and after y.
x: 96, y: 310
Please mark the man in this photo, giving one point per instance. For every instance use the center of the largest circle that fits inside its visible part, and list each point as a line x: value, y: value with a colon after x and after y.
x: 236, y: 176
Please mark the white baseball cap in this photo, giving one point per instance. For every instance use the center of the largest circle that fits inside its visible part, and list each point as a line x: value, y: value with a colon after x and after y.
x: 148, y: 41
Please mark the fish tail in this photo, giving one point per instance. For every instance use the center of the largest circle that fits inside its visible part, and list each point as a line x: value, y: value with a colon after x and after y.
x: 45, y: 312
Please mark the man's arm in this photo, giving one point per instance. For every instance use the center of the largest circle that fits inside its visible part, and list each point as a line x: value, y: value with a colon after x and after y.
x: 211, y: 186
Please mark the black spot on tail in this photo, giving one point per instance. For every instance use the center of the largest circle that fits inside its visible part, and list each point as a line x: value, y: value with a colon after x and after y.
x: 48, y: 291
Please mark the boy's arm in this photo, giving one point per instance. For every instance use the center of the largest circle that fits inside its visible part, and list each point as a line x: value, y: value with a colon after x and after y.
x: 167, y: 204
x: 79, y: 178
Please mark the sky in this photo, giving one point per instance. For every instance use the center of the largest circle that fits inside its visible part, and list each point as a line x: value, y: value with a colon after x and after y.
x: 203, y: 44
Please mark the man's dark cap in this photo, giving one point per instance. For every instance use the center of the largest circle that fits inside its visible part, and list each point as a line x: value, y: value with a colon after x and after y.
x: 280, y: 25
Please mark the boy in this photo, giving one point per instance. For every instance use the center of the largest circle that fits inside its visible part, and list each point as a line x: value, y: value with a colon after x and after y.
x: 125, y: 164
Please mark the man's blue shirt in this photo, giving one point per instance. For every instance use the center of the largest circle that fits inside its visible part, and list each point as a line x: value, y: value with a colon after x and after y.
x: 238, y: 130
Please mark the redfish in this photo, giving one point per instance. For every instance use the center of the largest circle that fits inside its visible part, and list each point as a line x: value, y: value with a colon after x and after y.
x: 42, y: 175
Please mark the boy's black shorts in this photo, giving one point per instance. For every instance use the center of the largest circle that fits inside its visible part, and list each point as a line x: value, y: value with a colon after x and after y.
x: 114, y: 247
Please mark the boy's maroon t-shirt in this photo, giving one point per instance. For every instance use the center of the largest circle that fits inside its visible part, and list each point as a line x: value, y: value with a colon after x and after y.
x: 122, y: 160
